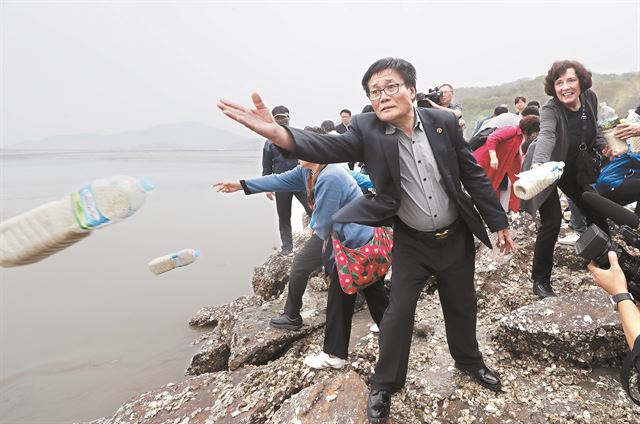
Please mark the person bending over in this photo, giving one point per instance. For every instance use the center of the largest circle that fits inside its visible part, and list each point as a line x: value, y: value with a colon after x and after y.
x: 329, y: 188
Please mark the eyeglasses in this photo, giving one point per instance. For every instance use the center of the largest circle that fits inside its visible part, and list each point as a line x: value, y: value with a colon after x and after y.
x: 389, y: 90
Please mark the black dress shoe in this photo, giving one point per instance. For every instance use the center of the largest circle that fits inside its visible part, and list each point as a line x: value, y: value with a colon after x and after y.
x: 543, y: 289
x: 286, y: 323
x: 486, y: 378
x: 378, y: 406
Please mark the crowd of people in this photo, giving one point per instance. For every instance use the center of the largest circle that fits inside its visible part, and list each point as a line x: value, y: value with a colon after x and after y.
x: 424, y: 180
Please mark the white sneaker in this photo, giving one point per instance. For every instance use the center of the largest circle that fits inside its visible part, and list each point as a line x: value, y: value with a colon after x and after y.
x: 323, y: 361
x: 374, y: 328
x: 569, y: 239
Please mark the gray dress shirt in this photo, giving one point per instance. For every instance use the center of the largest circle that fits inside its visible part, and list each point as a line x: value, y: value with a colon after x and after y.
x: 424, y: 204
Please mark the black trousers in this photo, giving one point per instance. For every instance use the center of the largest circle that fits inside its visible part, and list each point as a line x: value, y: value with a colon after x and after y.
x: 625, y: 193
x: 452, y: 261
x: 283, y: 206
x: 340, y: 313
x: 550, y: 220
x: 308, y: 259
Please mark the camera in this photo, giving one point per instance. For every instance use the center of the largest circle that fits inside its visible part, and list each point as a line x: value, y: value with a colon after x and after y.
x: 434, y: 95
x: 594, y: 244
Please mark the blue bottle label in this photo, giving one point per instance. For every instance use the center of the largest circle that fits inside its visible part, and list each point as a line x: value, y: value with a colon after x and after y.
x: 86, y: 209
x: 177, y: 261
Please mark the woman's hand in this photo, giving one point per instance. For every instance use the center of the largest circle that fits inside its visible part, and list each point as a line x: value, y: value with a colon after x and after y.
x: 624, y: 131
x: 227, y: 187
x: 494, y: 159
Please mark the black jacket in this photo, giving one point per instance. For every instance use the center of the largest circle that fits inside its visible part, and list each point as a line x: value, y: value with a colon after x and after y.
x: 342, y: 128
x: 367, y: 142
x: 273, y: 162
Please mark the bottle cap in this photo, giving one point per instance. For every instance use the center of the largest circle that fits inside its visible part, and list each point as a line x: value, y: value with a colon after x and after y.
x: 147, y: 183
x: 196, y: 253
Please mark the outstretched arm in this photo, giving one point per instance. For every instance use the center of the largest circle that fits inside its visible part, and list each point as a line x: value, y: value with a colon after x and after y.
x: 227, y: 186
x: 293, y: 181
x: 290, y: 181
x: 258, y: 120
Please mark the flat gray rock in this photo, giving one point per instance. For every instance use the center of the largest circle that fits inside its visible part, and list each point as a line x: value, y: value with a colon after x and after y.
x: 341, y: 399
x: 253, y: 341
x: 580, y: 327
x: 242, y: 334
x: 270, y: 279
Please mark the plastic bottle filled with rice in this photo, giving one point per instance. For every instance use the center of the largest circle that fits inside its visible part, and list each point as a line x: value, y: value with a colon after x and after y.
x: 534, y: 181
x: 47, y: 229
x: 168, y: 262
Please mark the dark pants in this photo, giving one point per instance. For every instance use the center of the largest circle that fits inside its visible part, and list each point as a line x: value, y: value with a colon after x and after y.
x: 308, y: 259
x: 283, y: 206
x: 625, y: 193
x: 340, y: 312
x: 452, y: 261
x: 550, y: 220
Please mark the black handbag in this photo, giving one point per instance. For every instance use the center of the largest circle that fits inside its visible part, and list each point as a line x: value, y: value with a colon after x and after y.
x: 589, y: 160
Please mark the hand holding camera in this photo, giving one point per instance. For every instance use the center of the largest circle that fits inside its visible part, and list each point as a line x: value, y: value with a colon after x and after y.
x: 596, y: 245
x: 612, y: 280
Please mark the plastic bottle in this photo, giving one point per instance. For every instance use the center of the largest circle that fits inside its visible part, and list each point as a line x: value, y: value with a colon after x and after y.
x: 532, y: 182
x: 47, y: 229
x: 634, y: 142
x: 168, y: 262
x: 607, y: 120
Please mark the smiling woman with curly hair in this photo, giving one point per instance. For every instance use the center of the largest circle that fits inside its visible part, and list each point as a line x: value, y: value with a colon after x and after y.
x: 567, y: 125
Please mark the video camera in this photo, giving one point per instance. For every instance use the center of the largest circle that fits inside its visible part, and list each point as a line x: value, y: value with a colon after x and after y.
x: 434, y: 95
x: 594, y: 244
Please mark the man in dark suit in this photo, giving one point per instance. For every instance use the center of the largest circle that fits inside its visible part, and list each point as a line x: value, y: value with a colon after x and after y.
x: 343, y: 127
x: 418, y: 162
x: 345, y: 117
x: 273, y: 162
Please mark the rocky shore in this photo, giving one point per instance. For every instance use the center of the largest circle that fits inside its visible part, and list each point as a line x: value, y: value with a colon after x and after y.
x: 558, y: 358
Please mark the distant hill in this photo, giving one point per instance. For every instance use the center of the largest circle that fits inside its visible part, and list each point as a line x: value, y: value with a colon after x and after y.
x: 622, y: 92
x: 180, y: 136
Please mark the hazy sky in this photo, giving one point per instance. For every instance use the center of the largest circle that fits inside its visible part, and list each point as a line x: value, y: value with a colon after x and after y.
x: 107, y: 66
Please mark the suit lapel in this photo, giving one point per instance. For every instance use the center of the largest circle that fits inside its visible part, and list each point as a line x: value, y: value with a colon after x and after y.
x: 439, y: 146
x: 391, y: 153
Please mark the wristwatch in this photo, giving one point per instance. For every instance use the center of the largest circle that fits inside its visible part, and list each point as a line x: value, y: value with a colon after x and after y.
x: 617, y: 298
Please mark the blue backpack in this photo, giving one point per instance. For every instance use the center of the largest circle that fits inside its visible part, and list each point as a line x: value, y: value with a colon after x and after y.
x: 618, y: 170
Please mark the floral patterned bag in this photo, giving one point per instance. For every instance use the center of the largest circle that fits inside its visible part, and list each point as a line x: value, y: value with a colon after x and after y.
x: 363, y: 266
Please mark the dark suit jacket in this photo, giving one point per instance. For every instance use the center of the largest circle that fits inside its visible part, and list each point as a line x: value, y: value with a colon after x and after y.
x: 367, y: 142
x: 341, y: 128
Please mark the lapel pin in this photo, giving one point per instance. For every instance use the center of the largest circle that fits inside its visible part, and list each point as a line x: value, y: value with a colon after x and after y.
x: 439, y: 130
